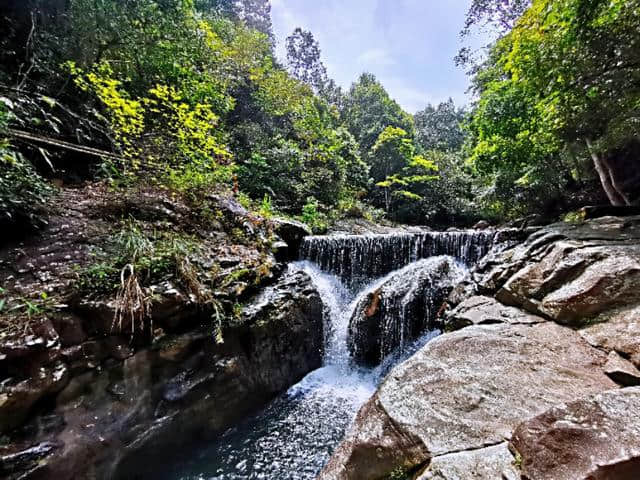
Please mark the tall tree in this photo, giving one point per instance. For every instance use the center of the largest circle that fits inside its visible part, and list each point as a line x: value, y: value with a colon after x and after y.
x: 369, y: 110
x: 567, y: 75
x: 303, y: 59
x: 497, y: 14
x: 256, y: 14
x: 439, y: 128
x: 396, y: 168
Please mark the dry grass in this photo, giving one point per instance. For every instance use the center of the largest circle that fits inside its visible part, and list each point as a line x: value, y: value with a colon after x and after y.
x: 132, y: 303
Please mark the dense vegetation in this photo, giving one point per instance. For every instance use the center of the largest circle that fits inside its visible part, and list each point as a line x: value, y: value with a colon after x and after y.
x: 559, y: 102
x: 187, y: 95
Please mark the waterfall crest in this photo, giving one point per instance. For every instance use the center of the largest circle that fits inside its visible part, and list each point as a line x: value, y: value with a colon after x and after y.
x: 357, y: 259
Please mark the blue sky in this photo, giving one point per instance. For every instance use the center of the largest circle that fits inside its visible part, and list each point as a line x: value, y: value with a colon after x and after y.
x: 408, y: 44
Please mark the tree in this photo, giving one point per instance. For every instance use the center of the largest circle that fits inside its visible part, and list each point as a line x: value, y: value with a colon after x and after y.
x: 396, y: 167
x: 303, y: 59
x: 439, y: 128
x: 256, y: 14
x: 571, y: 70
x: 498, y: 14
x: 369, y: 110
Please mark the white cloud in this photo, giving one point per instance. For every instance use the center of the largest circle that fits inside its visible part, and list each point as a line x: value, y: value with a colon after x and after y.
x: 375, y: 57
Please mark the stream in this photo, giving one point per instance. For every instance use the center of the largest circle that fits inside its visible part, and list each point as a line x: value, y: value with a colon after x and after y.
x: 294, y: 436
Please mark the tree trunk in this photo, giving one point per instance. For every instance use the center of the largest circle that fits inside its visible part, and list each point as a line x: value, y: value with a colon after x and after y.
x: 614, y: 182
x: 606, y: 179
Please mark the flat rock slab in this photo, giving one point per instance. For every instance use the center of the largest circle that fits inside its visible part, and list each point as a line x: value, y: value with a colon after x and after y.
x: 596, y: 438
x: 480, y: 310
x: 486, y: 463
x: 619, y: 332
x: 467, y: 390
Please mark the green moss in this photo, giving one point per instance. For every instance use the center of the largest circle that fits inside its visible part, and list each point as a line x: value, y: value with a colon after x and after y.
x: 577, y: 217
x: 398, y: 474
x: 235, y: 276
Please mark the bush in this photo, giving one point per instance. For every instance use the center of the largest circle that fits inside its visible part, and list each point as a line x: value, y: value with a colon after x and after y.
x: 23, y: 192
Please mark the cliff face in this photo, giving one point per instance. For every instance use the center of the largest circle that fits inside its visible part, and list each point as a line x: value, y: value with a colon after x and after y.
x: 537, y: 371
x: 91, y: 393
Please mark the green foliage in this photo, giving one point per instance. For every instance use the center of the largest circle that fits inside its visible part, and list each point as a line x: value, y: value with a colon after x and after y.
x: 23, y: 192
x: 369, y: 109
x: 399, y: 473
x: 18, y: 312
x: 154, y: 257
x: 266, y: 208
x: 562, y: 86
x: 440, y: 127
x: 303, y: 58
x: 394, y: 158
x: 312, y: 216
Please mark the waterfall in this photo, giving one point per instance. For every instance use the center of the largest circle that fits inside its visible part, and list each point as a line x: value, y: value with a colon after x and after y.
x: 392, y: 313
x: 357, y: 259
x: 295, y: 435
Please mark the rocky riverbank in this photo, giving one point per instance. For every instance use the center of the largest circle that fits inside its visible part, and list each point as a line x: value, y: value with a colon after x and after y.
x: 535, y: 378
x: 83, y: 397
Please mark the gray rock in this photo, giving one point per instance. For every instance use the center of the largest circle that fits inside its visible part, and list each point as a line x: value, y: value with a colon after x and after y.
x: 480, y: 310
x: 618, y: 331
x: 292, y: 232
x: 466, y: 390
x: 593, y: 438
x: 117, y: 419
x: 481, y: 225
x: 401, y: 307
x: 573, y: 282
x: 495, y: 462
x: 621, y: 371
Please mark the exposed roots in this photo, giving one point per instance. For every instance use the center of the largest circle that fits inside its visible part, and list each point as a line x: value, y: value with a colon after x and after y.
x: 132, y: 303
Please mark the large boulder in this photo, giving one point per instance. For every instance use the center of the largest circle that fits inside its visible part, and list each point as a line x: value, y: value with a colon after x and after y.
x: 399, y: 308
x: 596, y: 438
x: 465, y: 391
x: 493, y: 462
x: 573, y: 281
x: 481, y: 310
x: 292, y: 233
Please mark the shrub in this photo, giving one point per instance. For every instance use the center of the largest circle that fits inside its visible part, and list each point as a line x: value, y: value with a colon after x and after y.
x: 23, y: 192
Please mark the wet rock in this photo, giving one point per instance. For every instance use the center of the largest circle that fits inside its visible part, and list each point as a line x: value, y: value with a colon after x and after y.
x: 401, y: 307
x: 292, y: 232
x: 621, y: 371
x: 593, y: 438
x: 376, y: 448
x: 598, y: 211
x: 481, y: 225
x: 357, y: 259
x: 41, y: 336
x: 18, y: 397
x: 120, y: 417
x: 466, y: 390
x: 618, y: 331
x: 16, y: 460
x: 480, y: 310
x: 495, y: 462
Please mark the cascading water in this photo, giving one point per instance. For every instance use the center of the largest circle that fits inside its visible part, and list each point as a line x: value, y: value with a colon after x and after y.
x: 356, y: 259
x: 294, y: 436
